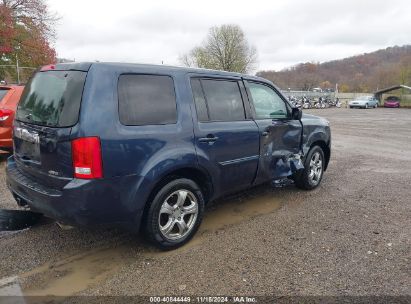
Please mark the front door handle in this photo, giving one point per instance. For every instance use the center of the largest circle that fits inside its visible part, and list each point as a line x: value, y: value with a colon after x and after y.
x: 210, y: 138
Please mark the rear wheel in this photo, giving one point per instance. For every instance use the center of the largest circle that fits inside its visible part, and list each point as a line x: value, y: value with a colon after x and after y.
x: 174, y: 214
x: 311, y: 176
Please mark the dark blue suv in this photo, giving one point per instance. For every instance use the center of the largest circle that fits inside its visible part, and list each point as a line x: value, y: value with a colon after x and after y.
x: 148, y: 146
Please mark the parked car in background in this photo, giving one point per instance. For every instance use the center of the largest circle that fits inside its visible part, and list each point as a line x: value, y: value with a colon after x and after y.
x: 364, y: 102
x: 392, y: 102
x: 148, y: 146
x: 9, y: 98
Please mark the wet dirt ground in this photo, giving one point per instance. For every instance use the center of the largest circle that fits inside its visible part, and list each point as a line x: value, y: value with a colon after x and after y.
x: 350, y: 236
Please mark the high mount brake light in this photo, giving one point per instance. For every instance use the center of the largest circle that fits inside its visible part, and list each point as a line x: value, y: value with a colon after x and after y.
x: 48, y: 67
x: 87, y: 159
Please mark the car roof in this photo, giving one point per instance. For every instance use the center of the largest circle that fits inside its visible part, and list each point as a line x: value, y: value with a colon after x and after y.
x: 364, y: 96
x: 85, y: 66
x: 11, y: 86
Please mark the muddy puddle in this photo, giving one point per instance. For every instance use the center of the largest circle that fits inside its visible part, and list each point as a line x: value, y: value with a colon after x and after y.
x: 75, y: 274
x: 238, y: 209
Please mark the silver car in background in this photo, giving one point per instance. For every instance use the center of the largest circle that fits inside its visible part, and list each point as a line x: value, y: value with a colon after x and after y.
x: 364, y: 102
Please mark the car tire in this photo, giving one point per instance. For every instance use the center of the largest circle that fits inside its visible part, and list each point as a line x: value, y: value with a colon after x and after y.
x: 310, y: 177
x: 174, y: 214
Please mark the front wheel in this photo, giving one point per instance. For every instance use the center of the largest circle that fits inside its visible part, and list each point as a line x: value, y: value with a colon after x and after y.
x: 174, y: 214
x: 310, y: 177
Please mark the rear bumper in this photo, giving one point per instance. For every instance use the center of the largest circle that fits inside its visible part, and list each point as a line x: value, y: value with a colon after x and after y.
x: 80, y: 202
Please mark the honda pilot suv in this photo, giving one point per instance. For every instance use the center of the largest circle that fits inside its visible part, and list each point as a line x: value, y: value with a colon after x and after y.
x: 149, y: 146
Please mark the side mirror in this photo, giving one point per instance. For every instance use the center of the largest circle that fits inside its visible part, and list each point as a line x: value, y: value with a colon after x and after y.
x: 296, y: 113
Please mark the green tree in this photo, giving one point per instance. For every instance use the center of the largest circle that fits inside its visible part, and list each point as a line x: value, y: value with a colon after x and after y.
x: 225, y: 48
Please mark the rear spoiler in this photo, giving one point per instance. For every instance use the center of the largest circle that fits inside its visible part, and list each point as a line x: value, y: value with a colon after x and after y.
x: 74, y: 66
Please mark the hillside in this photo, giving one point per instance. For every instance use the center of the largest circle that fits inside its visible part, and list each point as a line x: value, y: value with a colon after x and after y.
x: 362, y: 73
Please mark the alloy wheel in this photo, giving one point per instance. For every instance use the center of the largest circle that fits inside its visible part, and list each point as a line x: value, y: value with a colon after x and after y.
x: 316, y: 168
x: 178, y: 214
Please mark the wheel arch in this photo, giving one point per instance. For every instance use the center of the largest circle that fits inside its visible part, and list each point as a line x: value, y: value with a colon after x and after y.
x: 326, y: 149
x: 199, y: 176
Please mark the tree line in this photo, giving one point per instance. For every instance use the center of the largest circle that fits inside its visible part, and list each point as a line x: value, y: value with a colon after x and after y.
x: 362, y: 73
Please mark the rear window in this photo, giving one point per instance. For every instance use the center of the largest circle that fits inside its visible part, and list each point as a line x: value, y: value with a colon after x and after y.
x: 3, y: 93
x: 146, y: 100
x: 52, y: 98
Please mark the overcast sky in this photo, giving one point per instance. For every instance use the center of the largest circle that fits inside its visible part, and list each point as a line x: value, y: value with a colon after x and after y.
x: 284, y: 32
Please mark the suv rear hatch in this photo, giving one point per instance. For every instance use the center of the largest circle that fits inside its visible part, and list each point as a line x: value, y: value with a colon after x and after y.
x: 48, y: 109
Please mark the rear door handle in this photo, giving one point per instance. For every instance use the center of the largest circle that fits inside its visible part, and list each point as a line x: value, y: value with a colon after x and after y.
x: 210, y: 138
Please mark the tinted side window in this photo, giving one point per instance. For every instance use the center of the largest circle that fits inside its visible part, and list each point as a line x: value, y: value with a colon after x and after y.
x: 267, y: 103
x: 223, y: 99
x: 199, y: 100
x: 146, y: 100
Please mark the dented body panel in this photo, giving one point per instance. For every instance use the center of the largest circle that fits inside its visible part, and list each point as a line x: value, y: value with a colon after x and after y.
x: 278, y: 148
x: 316, y: 130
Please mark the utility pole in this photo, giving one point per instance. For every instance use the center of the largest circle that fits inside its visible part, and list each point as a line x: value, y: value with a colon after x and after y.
x: 17, y: 68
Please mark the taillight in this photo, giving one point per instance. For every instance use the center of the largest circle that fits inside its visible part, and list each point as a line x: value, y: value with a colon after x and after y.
x: 87, y: 160
x: 4, y: 114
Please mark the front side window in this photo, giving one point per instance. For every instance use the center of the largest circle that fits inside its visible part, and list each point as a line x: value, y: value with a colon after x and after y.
x: 146, y: 100
x: 223, y: 100
x: 267, y: 103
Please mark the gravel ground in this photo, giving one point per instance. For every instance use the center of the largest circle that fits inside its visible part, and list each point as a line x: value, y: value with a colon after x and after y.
x: 6, y: 200
x: 350, y: 236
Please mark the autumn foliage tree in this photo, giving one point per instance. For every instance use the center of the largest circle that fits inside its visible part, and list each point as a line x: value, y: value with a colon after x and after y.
x: 362, y: 73
x: 26, y: 33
